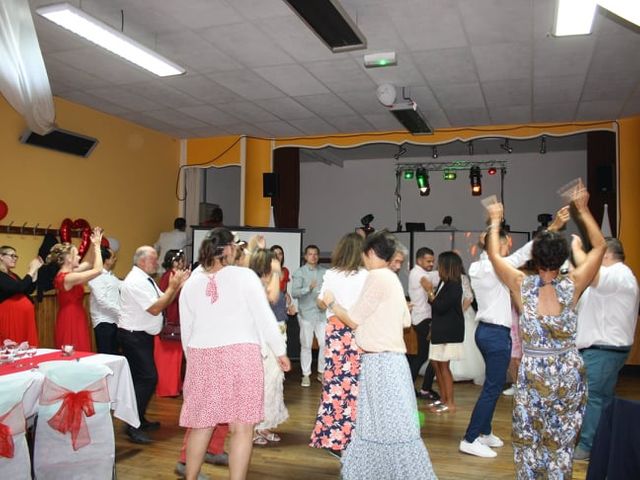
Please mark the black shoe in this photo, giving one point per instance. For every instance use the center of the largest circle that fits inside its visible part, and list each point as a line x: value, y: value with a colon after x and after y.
x: 138, y: 436
x: 147, y: 426
x: 429, y: 395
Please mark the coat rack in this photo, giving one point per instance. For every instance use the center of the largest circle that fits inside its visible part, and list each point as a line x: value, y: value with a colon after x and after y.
x: 36, y: 230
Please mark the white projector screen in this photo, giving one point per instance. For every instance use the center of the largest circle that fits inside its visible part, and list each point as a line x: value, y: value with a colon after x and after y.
x: 288, y: 238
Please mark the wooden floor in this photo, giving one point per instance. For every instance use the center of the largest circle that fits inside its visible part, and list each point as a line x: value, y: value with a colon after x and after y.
x: 293, y: 459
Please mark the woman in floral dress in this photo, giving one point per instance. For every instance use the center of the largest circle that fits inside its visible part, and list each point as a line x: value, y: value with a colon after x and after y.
x: 550, y: 393
x: 337, y: 411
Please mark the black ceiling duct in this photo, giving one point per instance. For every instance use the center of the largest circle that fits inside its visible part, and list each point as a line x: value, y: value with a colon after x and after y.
x: 410, y: 116
x: 330, y: 23
x: 61, y: 141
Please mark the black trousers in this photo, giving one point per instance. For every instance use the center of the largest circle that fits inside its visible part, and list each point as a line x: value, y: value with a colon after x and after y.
x: 422, y: 333
x: 137, y: 347
x: 106, y: 338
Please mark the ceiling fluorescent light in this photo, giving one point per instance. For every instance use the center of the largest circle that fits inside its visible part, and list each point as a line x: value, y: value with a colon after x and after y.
x: 412, y: 119
x: 69, y: 17
x: 574, y: 17
x: 629, y: 10
x: 329, y: 21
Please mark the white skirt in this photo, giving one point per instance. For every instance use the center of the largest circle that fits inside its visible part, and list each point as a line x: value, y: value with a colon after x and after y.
x: 443, y: 352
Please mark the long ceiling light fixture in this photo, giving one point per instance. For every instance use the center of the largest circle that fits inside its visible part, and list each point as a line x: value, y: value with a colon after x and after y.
x: 331, y: 23
x: 75, y: 20
x: 575, y: 17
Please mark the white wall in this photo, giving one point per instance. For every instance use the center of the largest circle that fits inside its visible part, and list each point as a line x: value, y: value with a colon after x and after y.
x: 222, y: 186
x: 333, y: 199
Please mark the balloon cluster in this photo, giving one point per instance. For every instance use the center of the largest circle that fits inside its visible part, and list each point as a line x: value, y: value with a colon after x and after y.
x: 85, y: 237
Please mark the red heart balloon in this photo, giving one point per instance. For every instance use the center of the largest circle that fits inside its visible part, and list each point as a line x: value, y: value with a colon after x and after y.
x: 65, y: 230
x: 4, y: 209
x: 84, y: 243
x: 80, y: 223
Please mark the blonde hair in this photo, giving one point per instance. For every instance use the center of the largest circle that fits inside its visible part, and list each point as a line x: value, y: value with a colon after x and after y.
x: 59, y: 252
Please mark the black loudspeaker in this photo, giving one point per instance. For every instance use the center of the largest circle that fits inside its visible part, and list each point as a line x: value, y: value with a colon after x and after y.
x: 604, y: 175
x: 62, y: 141
x: 269, y: 185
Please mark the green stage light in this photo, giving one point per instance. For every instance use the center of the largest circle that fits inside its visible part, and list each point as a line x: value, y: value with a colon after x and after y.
x: 450, y: 175
x: 422, y: 178
x: 408, y: 174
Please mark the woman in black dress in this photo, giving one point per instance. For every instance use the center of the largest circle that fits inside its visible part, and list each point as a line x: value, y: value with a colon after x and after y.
x: 447, y: 326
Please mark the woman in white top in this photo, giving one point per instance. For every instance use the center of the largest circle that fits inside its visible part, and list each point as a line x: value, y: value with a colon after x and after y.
x: 225, y: 317
x: 386, y: 442
x: 337, y: 411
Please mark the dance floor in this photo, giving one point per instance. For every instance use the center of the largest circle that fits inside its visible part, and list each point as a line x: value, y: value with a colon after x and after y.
x: 293, y: 459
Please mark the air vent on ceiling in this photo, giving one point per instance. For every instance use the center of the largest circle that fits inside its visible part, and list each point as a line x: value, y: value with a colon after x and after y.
x: 410, y: 116
x: 62, y: 141
x: 330, y: 23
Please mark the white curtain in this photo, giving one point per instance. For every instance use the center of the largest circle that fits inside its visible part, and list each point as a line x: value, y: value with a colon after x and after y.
x: 23, y: 77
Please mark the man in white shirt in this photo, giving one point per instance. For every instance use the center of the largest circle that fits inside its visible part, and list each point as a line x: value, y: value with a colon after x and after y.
x: 176, y: 239
x: 305, y: 287
x: 400, y: 255
x: 141, y: 306
x: 493, y: 338
x: 421, y: 318
x: 104, y: 304
x: 607, y: 315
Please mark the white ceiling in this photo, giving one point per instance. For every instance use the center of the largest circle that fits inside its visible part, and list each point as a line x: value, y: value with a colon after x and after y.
x: 254, y: 68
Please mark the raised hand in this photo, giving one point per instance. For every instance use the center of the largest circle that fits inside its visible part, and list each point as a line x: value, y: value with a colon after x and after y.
x: 560, y: 220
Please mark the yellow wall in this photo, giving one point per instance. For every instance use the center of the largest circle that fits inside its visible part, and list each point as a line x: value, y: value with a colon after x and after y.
x: 126, y: 186
x: 628, y: 181
x: 257, y: 208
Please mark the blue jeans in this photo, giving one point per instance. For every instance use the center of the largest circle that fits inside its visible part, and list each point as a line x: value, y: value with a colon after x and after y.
x: 494, y: 343
x: 602, y: 367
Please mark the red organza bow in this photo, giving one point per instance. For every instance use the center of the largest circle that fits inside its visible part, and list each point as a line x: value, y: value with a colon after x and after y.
x: 70, y: 417
x: 11, y: 423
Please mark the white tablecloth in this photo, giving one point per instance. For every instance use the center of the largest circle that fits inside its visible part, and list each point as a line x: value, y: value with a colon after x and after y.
x: 120, y: 385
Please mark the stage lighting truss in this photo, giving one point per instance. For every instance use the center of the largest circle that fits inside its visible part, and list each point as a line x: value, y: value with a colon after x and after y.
x: 421, y: 171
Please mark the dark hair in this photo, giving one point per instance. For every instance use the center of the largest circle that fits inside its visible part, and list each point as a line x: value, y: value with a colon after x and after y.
x: 260, y: 261
x: 382, y: 243
x: 213, y: 245
x: 614, y: 246
x: 217, y: 215
x: 447, y: 220
x: 105, y: 253
x: 347, y: 256
x: 308, y: 247
x: 278, y: 247
x: 170, y: 257
x: 549, y: 251
x: 179, y: 223
x: 422, y: 251
x: 449, y: 266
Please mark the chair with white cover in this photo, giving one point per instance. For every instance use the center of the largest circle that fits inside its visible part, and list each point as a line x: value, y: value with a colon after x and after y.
x: 14, y: 452
x: 74, y: 432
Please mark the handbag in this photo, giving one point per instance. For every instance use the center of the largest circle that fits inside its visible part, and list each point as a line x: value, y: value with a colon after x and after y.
x: 170, y: 331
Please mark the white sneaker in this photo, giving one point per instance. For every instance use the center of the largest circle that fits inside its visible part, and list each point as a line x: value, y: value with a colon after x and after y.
x: 476, y: 448
x: 306, y: 382
x: 491, y: 441
x: 509, y: 392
